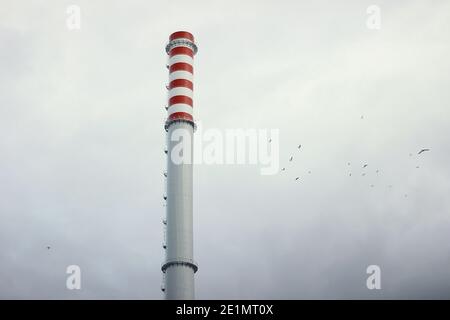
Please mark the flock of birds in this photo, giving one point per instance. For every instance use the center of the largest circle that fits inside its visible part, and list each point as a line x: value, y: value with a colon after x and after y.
x: 290, y: 160
x: 297, y: 178
x: 365, y: 165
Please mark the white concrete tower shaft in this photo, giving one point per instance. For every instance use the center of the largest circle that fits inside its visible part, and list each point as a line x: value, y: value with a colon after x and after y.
x: 179, y: 266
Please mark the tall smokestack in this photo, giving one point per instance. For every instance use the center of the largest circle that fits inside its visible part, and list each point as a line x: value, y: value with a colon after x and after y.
x: 179, y: 266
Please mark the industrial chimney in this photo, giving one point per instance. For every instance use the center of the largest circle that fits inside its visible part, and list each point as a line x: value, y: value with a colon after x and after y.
x: 179, y: 266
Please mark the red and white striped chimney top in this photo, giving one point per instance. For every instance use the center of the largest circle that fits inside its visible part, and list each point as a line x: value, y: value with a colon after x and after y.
x: 181, y: 50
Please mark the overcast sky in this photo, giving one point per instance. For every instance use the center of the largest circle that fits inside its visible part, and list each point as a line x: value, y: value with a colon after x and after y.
x: 82, y: 140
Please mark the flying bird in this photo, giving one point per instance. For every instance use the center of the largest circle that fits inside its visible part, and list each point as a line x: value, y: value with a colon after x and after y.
x: 291, y: 158
x: 364, y: 165
x: 282, y: 169
x: 270, y: 140
x: 165, y: 197
x: 297, y: 178
x: 299, y: 146
x: 48, y: 247
x: 165, y: 151
x: 423, y: 150
x: 349, y: 174
x: 165, y: 174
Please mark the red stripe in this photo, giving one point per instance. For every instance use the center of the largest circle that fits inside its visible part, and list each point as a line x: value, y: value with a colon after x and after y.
x: 180, y: 99
x: 181, y: 83
x: 181, y: 115
x: 181, y: 34
x: 181, y: 50
x: 181, y: 66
